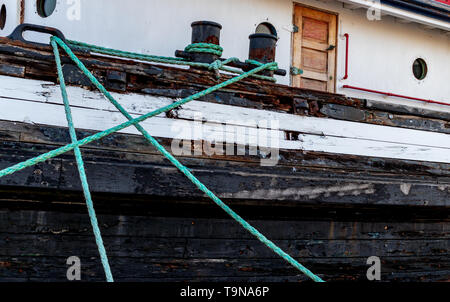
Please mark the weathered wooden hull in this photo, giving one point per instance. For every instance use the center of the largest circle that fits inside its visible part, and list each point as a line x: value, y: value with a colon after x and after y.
x: 157, y: 227
x: 193, y: 248
x: 331, y: 211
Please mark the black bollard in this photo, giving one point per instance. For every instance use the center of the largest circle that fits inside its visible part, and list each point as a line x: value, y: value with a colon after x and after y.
x: 263, y: 49
x: 203, y: 32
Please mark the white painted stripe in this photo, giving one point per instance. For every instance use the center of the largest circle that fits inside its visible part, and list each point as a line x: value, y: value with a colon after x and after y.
x: 217, y: 113
x: 52, y: 114
x: 40, y: 102
x: 99, y: 120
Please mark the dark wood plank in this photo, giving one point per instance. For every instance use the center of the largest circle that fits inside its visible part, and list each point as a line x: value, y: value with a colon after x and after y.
x: 224, y: 270
x: 134, y: 145
x: 45, y: 223
x: 189, y: 249
x: 298, y: 179
x: 281, y: 187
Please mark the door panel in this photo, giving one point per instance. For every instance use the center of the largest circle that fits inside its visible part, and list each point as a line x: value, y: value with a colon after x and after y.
x: 313, y: 84
x: 315, y: 60
x: 315, y: 30
x: 315, y: 49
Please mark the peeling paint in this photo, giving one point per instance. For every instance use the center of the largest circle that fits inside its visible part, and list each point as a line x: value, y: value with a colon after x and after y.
x: 405, y: 188
x: 443, y: 187
x: 308, y: 192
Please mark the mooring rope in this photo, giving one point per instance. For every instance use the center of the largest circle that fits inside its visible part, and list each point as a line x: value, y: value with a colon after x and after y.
x: 81, y: 169
x: 55, y: 41
x: 205, y: 48
x: 168, y: 60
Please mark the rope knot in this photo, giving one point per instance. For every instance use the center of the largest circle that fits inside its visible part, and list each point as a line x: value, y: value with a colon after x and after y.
x: 216, y: 65
x: 205, y: 48
x: 256, y: 63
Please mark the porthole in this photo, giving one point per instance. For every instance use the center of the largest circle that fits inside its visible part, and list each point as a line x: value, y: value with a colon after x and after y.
x: 45, y: 8
x: 266, y: 28
x: 2, y: 17
x: 420, y: 69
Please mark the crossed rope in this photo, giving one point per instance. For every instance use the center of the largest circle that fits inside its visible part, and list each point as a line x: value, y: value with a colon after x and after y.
x: 76, y: 144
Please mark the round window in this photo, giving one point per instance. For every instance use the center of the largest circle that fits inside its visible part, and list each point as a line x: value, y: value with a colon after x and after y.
x: 45, y: 7
x: 420, y: 69
x: 266, y: 28
x: 2, y: 17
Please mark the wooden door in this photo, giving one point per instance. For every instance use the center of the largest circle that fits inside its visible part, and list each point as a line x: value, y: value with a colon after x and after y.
x: 315, y: 49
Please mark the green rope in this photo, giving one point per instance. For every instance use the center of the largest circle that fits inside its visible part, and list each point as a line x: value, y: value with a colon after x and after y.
x: 160, y: 59
x: 81, y: 169
x: 182, y: 168
x: 205, y: 48
x: 132, y: 55
x: 296, y: 71
x: 219, y: 64
x: 256, y: 63
x: 100, y: 135
x: 152, y: 140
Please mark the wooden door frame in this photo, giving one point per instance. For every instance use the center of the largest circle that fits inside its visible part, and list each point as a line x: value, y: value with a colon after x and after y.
x: 293, y: 40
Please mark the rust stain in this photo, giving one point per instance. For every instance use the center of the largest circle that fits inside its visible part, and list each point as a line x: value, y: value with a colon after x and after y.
x: 5, y: 264
x: 213, y: 40
x: 314, y: 108
x: 246, y: 269
x: 331, y: 231
x: 22, y: 12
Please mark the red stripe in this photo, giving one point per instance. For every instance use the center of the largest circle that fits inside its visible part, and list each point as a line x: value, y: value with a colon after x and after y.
x: 444, y: 1
x: 395, y: 95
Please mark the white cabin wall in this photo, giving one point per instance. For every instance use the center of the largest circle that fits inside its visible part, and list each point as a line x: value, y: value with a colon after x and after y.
x: 381, y: 57
x: 160, y: 27
x: 12, y: 16
x: 381, y: 52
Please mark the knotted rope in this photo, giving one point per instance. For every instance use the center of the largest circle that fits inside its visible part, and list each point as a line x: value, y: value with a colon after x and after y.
x: 205, y: 48
x: 162, y: 59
